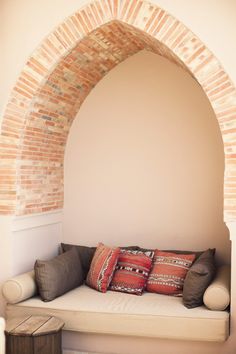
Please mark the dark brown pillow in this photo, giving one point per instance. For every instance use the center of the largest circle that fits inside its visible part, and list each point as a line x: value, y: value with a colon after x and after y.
x: 198, y: 278
x: 58, y: 275
x: 85, y: 255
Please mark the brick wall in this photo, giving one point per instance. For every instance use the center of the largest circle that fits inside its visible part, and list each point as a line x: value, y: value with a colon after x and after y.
x: 62, y: 71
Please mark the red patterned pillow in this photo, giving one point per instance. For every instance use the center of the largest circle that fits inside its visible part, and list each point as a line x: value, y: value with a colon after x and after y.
x: 168, y: 272
x: 102, y: 267
x: 131, y: 273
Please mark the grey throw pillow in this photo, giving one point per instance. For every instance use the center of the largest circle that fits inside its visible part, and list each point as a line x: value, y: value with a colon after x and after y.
x: 198, y: 278
x: 58, y: 275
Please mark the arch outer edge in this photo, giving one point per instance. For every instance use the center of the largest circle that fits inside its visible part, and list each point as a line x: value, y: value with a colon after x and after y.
x: 153, y: 21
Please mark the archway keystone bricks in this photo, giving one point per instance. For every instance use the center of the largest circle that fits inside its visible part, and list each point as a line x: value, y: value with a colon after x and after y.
x: 62, y: 71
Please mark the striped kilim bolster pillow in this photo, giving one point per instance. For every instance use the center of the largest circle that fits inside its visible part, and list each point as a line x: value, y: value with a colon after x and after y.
x: 131, y: 273
x: 102, y: 267
x: 168, y: 272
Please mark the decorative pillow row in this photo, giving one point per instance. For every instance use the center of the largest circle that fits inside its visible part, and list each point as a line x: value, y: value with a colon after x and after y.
x: 166, y: 274
x: 127, y: 269
x: 65, y: 272
x: 132, y: 271
x: 86, y: 254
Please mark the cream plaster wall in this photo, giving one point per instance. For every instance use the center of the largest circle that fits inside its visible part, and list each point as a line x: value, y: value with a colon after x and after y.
x: 144, y: 162
x: 25, y: 23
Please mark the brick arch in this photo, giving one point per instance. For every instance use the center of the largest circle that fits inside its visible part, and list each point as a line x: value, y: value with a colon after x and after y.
x: 62, y: 71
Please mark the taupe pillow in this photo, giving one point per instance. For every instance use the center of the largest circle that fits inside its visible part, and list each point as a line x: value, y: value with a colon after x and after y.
x: 85, y: 255
x: 198, y: 278
x: 58, y: 275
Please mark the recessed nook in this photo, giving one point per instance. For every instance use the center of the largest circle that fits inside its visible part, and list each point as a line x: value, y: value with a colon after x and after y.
x: 144, y: 162
x: 49, y: 92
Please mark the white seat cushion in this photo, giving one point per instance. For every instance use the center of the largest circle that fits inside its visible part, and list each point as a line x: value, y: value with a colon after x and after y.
x: 150, y: 315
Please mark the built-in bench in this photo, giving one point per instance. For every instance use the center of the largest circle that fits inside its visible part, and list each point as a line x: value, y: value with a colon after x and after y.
x: 151, y: 315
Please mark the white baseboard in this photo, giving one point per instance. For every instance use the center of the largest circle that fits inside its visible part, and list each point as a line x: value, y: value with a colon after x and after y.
x: 66, y: 351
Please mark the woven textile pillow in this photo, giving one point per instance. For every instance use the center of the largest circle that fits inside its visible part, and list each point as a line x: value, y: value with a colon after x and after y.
x: 102, y: 267
x: 131, y: 273
x: 168, y: 272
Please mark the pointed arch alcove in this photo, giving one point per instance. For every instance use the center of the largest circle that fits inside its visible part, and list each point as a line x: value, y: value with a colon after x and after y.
x: 62, y: 71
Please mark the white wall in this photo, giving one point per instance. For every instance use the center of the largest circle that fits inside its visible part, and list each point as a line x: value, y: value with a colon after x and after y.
x: 25, y: 239
x: 144, y: 162
x: 5, y: 253
x: 34, y: 237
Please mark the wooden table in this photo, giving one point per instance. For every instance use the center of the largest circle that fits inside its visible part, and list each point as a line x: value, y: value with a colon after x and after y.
x: 34, y: 335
